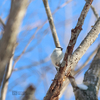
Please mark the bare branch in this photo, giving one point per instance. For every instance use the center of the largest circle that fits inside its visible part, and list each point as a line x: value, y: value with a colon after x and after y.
x: 74, y: 34
x: 79, y: 52
x: 95, y: 12
x: 22, y: 78
x: 57, y: 84
x: 17, y: 12
x: 8, y: 72
x: 92, y: 75
x: 87, y: 61
x: 91, y: 79
x: 89, y: 39
x: 2, y: 23
x: 29, y: 93
x: 74, y: 73
x: 63, y: 5
x: 52, y: 26
x: 77, y: 71
x: 34, y: 64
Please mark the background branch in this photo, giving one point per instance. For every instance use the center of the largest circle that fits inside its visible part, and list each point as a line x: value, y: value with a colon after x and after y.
x: 29, y: 93
x: 7, y: 75
x: 95, y: 12
x: 17, y: 12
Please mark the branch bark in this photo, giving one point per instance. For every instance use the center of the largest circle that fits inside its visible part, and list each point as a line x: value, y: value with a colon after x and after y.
x: 77, y: 72
x: 7, y: 75
x: 17, y: 12
x: 2, y: 23
x: 91, y: 79
x: 89, y: 39
x: 55, y: 88
x: 87, y: 61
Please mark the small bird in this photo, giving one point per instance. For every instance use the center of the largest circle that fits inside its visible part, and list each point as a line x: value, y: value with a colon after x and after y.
x: 57, y: 57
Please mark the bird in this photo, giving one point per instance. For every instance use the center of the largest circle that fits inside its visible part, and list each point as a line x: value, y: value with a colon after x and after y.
x: 57, y: 57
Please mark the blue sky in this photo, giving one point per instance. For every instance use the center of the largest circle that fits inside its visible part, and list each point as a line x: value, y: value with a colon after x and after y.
x: 42, y: 45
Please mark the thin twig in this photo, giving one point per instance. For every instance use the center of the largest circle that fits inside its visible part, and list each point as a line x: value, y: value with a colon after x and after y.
x: 8, y: 72
x: 22, y: 78
x: 63, y: 5
x: 95, y: 12
x: 52, y: 26
x: 34, y: 64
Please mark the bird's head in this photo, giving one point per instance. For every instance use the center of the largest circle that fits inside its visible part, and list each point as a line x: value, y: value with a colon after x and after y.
x: 60, y: 48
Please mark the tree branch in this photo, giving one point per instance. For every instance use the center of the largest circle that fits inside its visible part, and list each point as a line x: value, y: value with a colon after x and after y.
x: 17, y: 12
x: 2, y: 23
x: 95, y: 12
x: 89, y: 39
x: 52, y: 26
x: 56, y: 86
x: 91, y: 79
x: 74, y: 73
x: 87, y: 61
x: 7, y: 75
x: 29, y: 93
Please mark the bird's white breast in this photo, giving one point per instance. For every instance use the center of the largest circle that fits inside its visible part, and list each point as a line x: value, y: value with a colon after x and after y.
x: 56, y: 56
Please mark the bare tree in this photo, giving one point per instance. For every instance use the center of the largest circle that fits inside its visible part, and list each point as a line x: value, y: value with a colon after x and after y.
x: 8, y: 41
x: 70, y: 60
x: 12, y: 51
